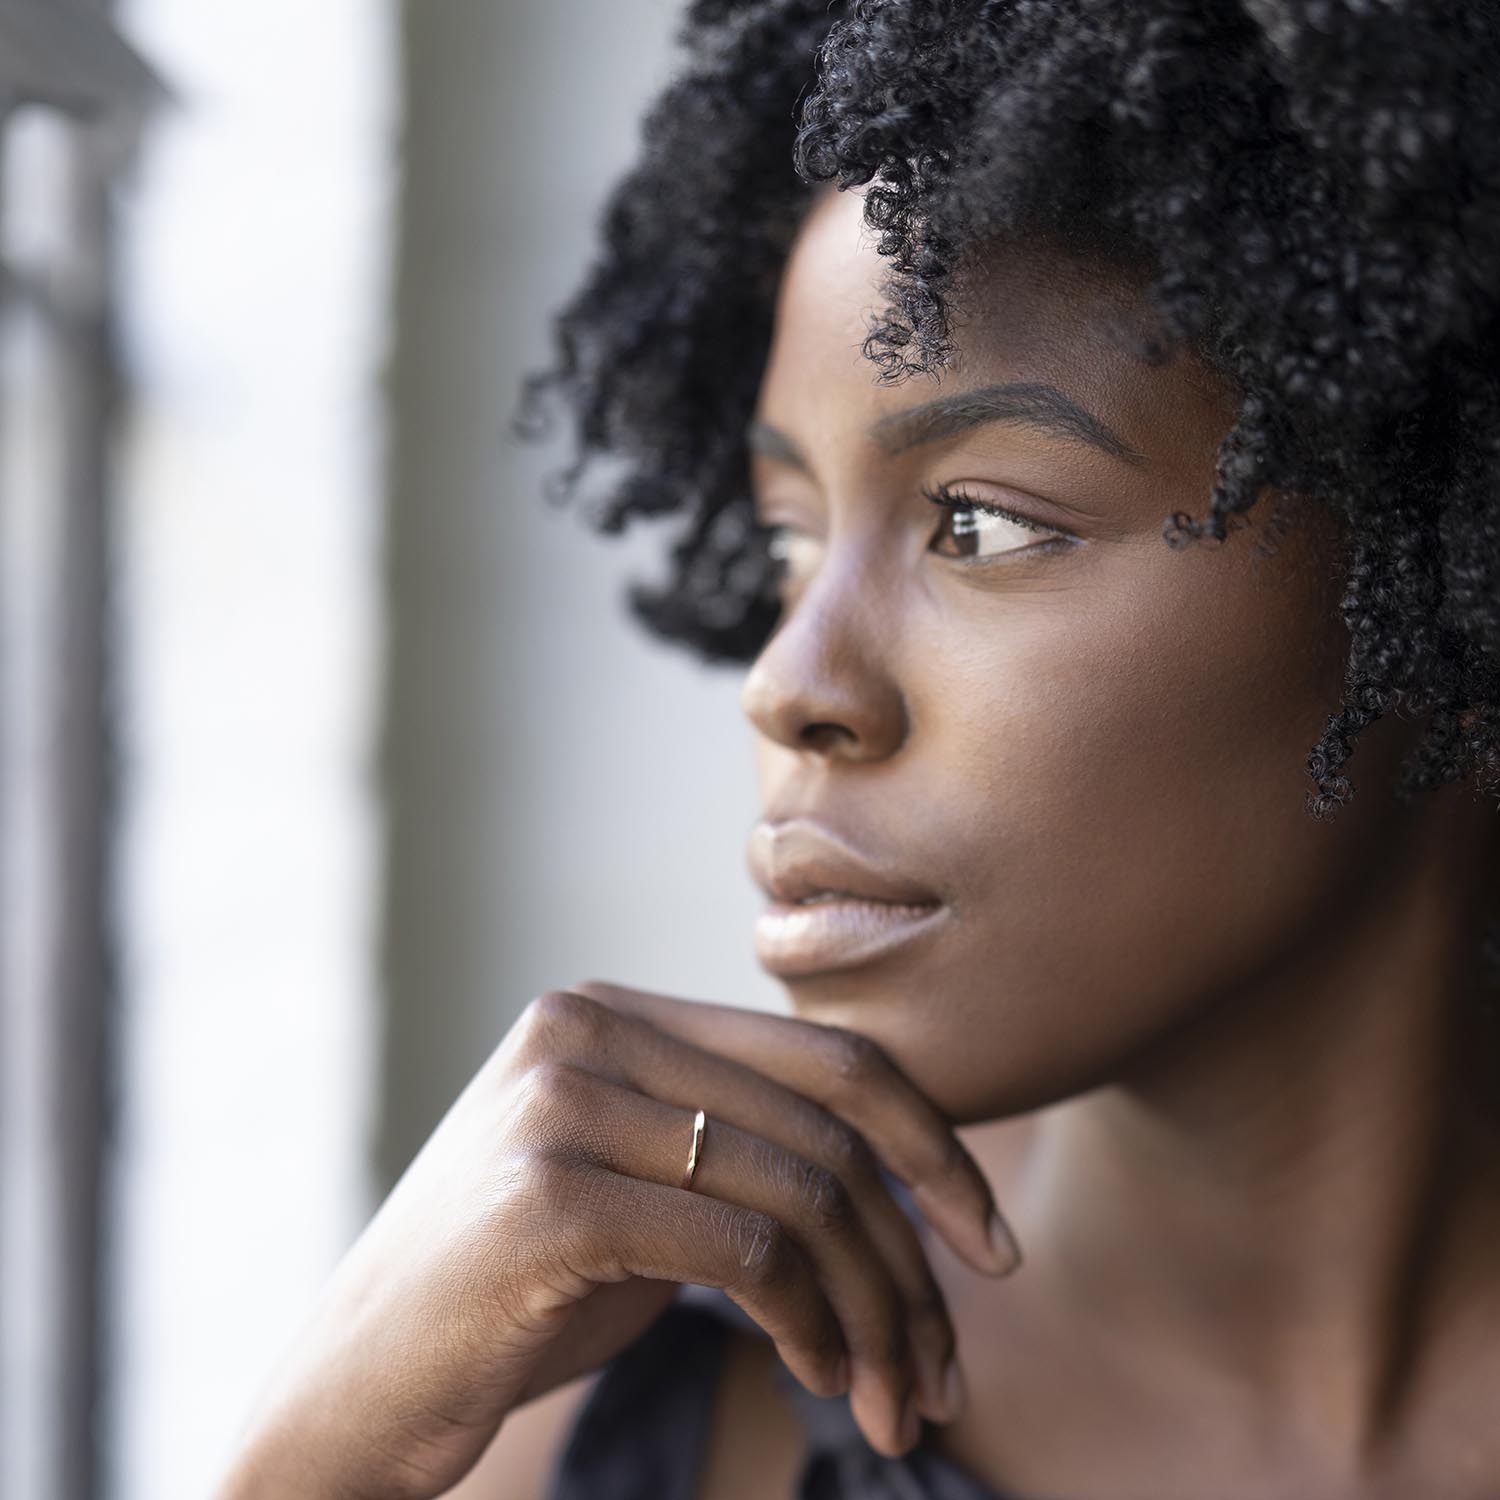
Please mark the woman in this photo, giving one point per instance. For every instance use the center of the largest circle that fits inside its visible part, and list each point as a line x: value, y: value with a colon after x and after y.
x: 1098, y: 482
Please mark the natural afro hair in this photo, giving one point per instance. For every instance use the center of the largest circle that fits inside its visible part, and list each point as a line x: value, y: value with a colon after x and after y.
x: 1308, y: 189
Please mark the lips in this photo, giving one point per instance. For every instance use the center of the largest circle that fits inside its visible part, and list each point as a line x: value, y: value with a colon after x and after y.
x: 832, y: 907
x: 798, y: 859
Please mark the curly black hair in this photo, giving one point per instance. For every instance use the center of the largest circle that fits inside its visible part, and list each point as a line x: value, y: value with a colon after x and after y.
x: 1309, y: 190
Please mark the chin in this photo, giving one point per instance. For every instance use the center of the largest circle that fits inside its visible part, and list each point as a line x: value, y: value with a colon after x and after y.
x: 963, y: 1067
x: 978, y: 1051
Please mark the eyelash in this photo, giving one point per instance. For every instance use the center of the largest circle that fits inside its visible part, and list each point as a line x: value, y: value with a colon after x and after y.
x: 951, y: 499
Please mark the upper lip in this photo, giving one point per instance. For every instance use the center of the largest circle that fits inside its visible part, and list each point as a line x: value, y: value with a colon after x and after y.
x: 798, y: 859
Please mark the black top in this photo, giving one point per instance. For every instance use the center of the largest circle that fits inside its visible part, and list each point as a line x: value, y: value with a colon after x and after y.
x: 640, y: 1434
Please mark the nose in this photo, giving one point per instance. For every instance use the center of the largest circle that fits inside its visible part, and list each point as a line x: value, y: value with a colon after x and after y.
x: 823, y: 683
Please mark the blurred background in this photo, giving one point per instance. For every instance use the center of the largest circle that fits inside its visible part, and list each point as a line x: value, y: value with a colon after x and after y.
x: 325, y: 743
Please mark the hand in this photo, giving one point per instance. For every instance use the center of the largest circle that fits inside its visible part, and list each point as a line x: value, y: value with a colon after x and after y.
x: 543, y: 1227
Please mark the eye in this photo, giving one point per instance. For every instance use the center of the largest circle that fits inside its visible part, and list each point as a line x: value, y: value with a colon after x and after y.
x: 794, y: 552
x: 980, y: 528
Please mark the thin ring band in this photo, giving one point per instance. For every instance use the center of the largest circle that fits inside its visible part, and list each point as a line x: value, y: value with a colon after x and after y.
x: 699, y: 1121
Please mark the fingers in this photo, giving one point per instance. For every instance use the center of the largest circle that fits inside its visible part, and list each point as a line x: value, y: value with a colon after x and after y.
x: 614, y: 1226
x: 563, y: 1027
x: 679, y: 1073
x: 853, y: 1078
x: 635, y: 1135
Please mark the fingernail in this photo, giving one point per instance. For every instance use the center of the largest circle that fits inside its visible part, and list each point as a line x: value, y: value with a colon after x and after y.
x: 1003, y: 1243
x: 955, y: 1392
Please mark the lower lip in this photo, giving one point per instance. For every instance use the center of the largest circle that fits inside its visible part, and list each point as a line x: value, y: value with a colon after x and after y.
x: 795, y: 942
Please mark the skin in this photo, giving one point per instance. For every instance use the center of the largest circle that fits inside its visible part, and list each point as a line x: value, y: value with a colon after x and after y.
x: 1206, y: 1051
x: 1250, y: 1170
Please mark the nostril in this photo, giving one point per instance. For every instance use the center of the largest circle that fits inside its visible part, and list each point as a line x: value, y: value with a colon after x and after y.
x: 825, y: 736
x: 812, y: 691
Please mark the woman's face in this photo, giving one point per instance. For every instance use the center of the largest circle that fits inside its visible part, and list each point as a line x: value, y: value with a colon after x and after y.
x: 1073, y: 758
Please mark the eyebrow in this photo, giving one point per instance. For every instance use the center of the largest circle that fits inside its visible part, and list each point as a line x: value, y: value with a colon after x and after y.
x: 771, y: 442
x: 1030, y: 404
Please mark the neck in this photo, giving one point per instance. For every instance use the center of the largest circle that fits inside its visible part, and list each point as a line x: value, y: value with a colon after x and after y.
x: 1282, y: 1200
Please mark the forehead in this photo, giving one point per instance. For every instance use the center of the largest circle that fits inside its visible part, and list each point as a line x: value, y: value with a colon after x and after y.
x: 1023, y: 312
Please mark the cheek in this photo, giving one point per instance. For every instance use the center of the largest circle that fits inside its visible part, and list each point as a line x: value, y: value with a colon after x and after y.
x: 1130, y: 767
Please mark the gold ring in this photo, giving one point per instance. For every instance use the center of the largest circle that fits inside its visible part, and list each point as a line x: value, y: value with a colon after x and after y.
x: 697, y: 1149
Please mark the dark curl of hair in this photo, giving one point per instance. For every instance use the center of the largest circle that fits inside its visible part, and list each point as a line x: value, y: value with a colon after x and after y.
x: 1310, y: 188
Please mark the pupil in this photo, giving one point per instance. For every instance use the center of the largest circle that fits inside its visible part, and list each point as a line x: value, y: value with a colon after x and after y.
x: 966, y: 531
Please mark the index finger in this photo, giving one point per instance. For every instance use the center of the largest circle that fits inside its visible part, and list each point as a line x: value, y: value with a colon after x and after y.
x: 852, y: 1077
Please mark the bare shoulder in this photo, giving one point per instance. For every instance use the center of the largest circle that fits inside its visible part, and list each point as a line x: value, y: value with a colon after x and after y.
x: 754, y: 1446
x: 521, y: 1459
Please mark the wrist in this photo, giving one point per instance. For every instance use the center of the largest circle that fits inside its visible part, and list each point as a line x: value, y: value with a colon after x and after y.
x: 284, y: 1468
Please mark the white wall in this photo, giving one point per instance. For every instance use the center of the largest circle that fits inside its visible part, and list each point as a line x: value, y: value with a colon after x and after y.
x: 253, y: 284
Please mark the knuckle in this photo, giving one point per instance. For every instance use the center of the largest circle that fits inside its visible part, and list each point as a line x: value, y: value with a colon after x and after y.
x: 762, y: 1248
x: 542, y: 1012
x: 536, y: 1214
x: 854, y: 1059
x: 540, y: 1179
x: 548, y: 1092
x: 562, y: 1010
x: 826, y: 1202
x: 560, y: 1019
x: 845, y: 1150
